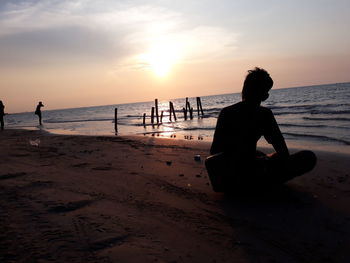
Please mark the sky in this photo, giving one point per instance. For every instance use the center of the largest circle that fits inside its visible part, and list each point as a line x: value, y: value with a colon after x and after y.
x: 84, y: 53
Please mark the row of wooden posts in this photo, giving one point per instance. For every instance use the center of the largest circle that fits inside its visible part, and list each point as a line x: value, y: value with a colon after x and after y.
x: 187, y: 110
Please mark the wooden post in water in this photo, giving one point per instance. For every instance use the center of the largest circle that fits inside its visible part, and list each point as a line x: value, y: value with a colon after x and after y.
x: 189, y: 109
x: 172, y: 106
x: 156, y: 105
x: 187, y: 105
x: 116, y: 120
x: 172, y: 111
x: 185, y: 109
x: 144, y: 119
x: 198, y: 106
x: 185, y: 113
x: 152, y: 115
x: 161, y: 116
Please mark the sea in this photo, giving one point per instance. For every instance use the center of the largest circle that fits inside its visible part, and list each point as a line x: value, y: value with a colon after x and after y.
x: 309, y: 117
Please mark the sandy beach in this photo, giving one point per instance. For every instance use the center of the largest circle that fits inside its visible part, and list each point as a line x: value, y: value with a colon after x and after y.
x: 144, y: 199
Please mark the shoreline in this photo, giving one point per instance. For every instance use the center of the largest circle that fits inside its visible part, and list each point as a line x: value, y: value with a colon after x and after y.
x: 145, y: 199
x: 183, y: 136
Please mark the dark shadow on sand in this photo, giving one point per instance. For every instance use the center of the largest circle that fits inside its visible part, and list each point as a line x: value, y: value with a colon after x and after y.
x: 287, y: 225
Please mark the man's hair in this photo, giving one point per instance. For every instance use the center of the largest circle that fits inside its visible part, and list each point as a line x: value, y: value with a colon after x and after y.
x: 257, y: 83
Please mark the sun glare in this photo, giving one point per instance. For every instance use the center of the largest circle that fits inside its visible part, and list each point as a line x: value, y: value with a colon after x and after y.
x: 161, y: 59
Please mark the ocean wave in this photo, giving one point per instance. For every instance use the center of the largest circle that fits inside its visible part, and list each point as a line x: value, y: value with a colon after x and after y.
x: 199, y: 129
x: 326, y: 119
x: 310, y: 126
x: 304, y: 107
x: 313, y: 112
x: 330, y: 112
x: 135, y: 116
x: 290, y: 112
x: 319, y: 137
x: 205, y: 110
x: 82, y: 120
x: 148, y: 115
x: 214, y: 109
x: 307, y: 106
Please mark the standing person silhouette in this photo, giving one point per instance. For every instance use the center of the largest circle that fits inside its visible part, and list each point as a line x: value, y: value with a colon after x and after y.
x: 38, y: 111
x: 2, y: 113
x: 235, y: 161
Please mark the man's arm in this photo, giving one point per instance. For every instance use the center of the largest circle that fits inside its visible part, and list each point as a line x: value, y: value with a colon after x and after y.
x: 280, y: 147
x: 274, y: 136
x: 218, y: 139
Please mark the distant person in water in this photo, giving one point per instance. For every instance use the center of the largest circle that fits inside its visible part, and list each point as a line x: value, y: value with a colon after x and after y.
x: 235, y: 160
x: 2, y: 114
x: 38, y: 111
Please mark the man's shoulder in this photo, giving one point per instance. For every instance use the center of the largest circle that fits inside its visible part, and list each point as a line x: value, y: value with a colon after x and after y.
x: 232, y: 108
x: 241, y: 106
x: 265, y: 110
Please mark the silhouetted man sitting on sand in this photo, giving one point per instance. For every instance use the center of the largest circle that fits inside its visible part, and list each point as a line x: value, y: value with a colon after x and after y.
x: 235, y: 162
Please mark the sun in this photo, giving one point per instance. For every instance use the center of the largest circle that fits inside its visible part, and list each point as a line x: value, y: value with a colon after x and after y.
x: 162, y: 58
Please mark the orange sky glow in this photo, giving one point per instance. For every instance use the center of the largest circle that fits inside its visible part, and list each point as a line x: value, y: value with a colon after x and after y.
x: 77, y: 53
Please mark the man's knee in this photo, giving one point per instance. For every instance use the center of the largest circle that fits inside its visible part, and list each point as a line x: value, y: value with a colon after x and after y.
x: 306, y: 159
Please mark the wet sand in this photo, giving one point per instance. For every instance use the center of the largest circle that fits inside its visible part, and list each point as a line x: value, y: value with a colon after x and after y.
x: 129, y: 199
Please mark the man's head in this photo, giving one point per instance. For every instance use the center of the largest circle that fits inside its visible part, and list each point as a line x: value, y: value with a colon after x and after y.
x: 257, y: 85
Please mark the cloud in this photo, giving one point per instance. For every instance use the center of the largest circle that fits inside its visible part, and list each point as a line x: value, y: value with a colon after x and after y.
x: 117, y: 32
x: 59, y: 44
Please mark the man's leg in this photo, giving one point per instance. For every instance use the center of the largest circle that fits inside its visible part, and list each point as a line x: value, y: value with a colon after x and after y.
x: 302, y: 162
x: 282, y: 170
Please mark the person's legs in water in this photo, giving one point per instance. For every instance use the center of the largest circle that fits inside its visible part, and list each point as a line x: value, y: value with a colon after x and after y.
x: 2, y: 122
x: 39, y: 115
x: 279, y: 171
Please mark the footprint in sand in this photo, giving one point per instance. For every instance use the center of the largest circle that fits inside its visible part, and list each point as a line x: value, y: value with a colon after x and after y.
x: 102, y: 168
x: 11, y: 175
x: 108, y: 242
x: 80, y: 165
x: 71, y: 206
